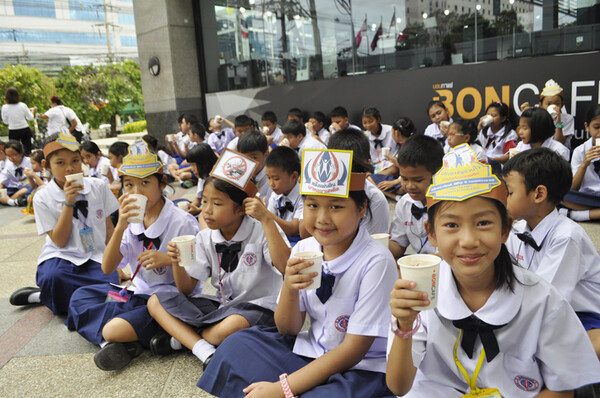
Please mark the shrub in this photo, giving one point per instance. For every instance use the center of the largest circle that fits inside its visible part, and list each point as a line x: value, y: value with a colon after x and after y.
x: 135, y: 127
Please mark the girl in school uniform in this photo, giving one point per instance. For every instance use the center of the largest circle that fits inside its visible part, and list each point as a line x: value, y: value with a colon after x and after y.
x: 497, y: 137
x: 13, y: 177
x: 380, y: 136
x: 536, y: 129
x: 76, y: 221
x: 93, y: 157
x: 37, y: 178
x: 342, y: 354
x: 440, y: 120
x: 242, y: 251
x: 123, y: 325
x: 202, y: 159
x: 531, y: 343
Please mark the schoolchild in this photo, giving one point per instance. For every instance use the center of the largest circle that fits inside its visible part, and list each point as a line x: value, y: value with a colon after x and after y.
x: 13, y: 177
x: 342, y: 354
x: 219, y: 137
x: 295, y: 114
x: 112, y: 316
x: 182, y: 172
x: 295, y: 132
x: 564, y: 124
x: 2, y: 155
x: 76, y: 221
x: 282, y: 167
x: 162, y: 152
x: 36, y: 174
x: 340, y: 121
x: 317, y: 124
x: 461, y: 132
x: 530, y: 343
x: 548, y: 244
x: 242, y: 251
x: 438, y: 113
x: 380, y: 135
x: 93, y: 157
x: 420, y: 157
x: 253, y: 144
x: 584, y: 198
x: 498, y: 136
x: 202, y: 160
x: 271, y: 129
x: 179, y: 143
x: 242, y: 123
x: 536, y: 129
x: 116, y: 152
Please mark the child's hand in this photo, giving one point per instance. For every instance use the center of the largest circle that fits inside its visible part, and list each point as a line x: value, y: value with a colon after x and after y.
x: 256, y: 209
x: 127, y: 208
x: 71, y: 192
x: 401, y: 301
x: 263, y: 389
x: 592, y: 154
x: 173, y: 253
x: 293, y: 279
x: 154, y: 259
x: 193, y: 209
x: 385, y: 185
x: 29, y: 173
x: 335, y: 126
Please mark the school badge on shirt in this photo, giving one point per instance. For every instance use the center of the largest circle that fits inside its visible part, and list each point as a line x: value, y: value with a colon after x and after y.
x: 326, y: 172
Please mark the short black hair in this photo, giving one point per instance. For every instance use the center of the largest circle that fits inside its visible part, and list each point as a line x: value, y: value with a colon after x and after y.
x: 542, y: 166
x: 405, y: 126
x: 12, y: 96
x: 236, y: 194
x: 251, y: 141
x: 90, y: 146
x: 466, y: 127
x: 119, y: 148
x: 189, y: 118
x: 204, y: 158
x: 592, y: 113
x: 269, y: 116
x: 296, y: 112
x: 421, y: 150
x: 285, y: 158
x: 37, y: 155
x: 180, y: 117
x: 338, y: 111
x: 199, y: 129
x: 541, y: 124
x: 371, y: 111
x: 17, y: 145
x: 319, y: 117
x: 294, y: 127
x: 243, y: 121
x: 439, y: 103
x: 357, y: 142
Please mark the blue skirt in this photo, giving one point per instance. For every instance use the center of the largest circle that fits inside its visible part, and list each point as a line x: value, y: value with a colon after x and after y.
x: 89, y: 312
x: 58, y: 279
x: 377, y: 178
x: 584, y: 199
x: 589, y: 320
x: 266, y: 355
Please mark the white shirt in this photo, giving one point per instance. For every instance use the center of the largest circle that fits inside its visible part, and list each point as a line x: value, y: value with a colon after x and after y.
x: 433, y: 131
x: 499, y: 146
x: 166, y: 160
x: 568, y: 129
x: 478, y: 149
x: 378, y: 221
x: 542, y: 343
x: 233, y: 144
x: 7, y: 176
x: 219, y: 140
x: 324, y: 135
x: 567, y: 259
x: 591, y: 179
x: 57, y: 118
x: 277, y: 134
x: 359, y: 304
x: 200, y: 188
x: 255, y: 280
x: 309, y: 142
x: 262, y: 184
x: 95, y: 171
x: 549, y: 143
x: 294, y: 197
x: 406, y: 230
x: 171, y: 222
x: 16, y: 116
x: 48, y: 205
x: 386, y: 141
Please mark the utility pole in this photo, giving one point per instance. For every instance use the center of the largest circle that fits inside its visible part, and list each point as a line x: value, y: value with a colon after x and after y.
x: 110, y: 54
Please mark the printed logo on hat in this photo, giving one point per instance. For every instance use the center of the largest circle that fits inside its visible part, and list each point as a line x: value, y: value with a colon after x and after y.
x: 140, y: 162
x: 67, y: 140
x: 551, y: 88
x: 234, y: 168
x: 326, y: 172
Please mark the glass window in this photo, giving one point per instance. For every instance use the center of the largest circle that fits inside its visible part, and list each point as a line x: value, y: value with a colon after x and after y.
x: 128, y: 41
x: 88, y: 10
x: 126, y: 19
x: 40, y: 36
x: 35, y: 8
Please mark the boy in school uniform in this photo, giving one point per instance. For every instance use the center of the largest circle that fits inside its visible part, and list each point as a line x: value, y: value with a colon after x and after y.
x: 178, y: 144
x: 254, y: 145
x: 295, y: 132
x: 340, y: 121
x: 219, y: 136
x: 548, y: 244
x: 271, y: 129
x: 419, y: 158
x: 242, y: 123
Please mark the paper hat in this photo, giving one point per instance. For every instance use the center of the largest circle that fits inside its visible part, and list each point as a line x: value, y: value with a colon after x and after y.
x: 140, y: 162
x: 462, y: 177
x: 328, y: 172
x: 236, y: 169
x: 64, y: 141
x: 551, y: 88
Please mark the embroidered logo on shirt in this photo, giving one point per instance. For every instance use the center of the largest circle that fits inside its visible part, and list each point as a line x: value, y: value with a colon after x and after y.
x: 341, y: 323
x: 250, y: 259
x: 520, y: 258
x: 526, y: 383
x: 160, y: 270
x: 408, y: 223
x: 99, y: 214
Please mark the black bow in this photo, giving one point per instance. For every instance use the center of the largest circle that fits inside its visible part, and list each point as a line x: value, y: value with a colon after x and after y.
x: 326, y: 289
x: 297, y: 149
x: 288, y: 206
x: 149, y: 242
x: 229, y: 255
x: 19, y: 172
x: 528, y: 240
x: 417, y: 211
x: 597, y: 167
x: 441, y: 140
x: 378, y: 143
x: 473, y: 326
x: 82, y: 207
x: 490, y: 141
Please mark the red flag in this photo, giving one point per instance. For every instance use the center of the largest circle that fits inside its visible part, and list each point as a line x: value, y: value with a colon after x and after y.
x: 376, y: 37
x: 244, y: 26
x: 361, y: 33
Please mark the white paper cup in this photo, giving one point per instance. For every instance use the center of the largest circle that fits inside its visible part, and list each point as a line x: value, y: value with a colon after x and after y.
x: 85, y: 169
x: 553, y: 111
x: 183, y: 205
x: 597, y: 141
x: 265, y: 130
x: 513, y: 152
x: 317, y: 258
x: 186, y: 245
x: 140, y: 200
x: 384, y: 239
x: 3, y: 193
x: 46, y: 173
x: 444, y: 124
x: 218, y: 118
x: 169, y: 138
x: 332, y: 129
x: 385, y: 151
x: 75, y: 178
x: 104, y: 169
x: 424, y: 269
x: 186, y: 139
x: 487, y: 120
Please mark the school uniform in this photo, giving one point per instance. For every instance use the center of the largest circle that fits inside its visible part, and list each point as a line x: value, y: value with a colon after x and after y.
x: 2, y: 164
x: 568, y: 129
x: 62, y: 270
x: 541, y: 343
x: 359, y: 304
x: 549, y: 143
x: 324, y: 135
x: 408, y: 228
x: 433, y: 131
x: 166, y: 160
x: 200, y: 188
x: 478, y: 149
x: 588, y: 193
x: 383, y: 140
x: 233, y: 144
x: 308, y: 142
x: 218, y: 140
x: 96, y: 171
x: 288, y: 207
x: 262, y: 184
x: 497, y: 145
x: 88, y: 309
x: 277, y: 135
x: 12, y: 177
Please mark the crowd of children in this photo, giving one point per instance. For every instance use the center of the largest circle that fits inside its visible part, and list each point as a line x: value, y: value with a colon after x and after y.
x: 518, y: 313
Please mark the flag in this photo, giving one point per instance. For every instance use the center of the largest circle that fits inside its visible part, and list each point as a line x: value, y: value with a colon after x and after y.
x: 393, y: 23
x: 376, y: 37
x: 361, y: 33
x: 243, y: 26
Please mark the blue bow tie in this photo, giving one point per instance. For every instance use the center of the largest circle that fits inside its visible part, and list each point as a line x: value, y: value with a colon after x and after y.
x: 326, y: 288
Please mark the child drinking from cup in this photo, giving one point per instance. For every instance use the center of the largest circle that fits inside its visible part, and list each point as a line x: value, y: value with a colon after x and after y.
x: 496, y: 134
x: 36, y: 176
x: 13, y: 175
x: 440, y: 120
x: 100, y: 165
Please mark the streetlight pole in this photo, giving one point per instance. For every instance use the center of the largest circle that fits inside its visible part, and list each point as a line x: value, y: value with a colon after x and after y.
x: 477, y: 8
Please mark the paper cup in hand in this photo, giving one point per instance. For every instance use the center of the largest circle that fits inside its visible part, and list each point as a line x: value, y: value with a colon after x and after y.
x: 169, y: 138
x: 444, y: 124
x: 186, y: 245
x: 597, y: 141
x: 385, y: 151
x: 265, y: 130
x: 513, y: 152
x: 217, y: 118
x: 183, y: 205
x: 140, y: 201
x: 553, y: 111
x: 487, y: 120
x: 3, y: 193
x: 317, y: 258
x: 424, y: 270
x: 104, y: 169
x: 75, y: 178
x: 384, y: 239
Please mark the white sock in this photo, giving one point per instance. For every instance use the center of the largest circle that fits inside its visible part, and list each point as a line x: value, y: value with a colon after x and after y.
x: 11, y: 202
x: 34, y: 298
x: 203, y: 349
x: 176, y: 345
x: 580, y: 215
x: 563, y: 211
x: 103, y: 343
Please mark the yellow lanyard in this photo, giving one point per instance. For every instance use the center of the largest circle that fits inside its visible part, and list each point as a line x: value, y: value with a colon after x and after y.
x: 470, y: 381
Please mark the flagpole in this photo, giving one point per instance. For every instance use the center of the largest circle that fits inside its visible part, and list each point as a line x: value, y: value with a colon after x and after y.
x: 381, y: 38
x: 353, y: 39
x: 368, y: 45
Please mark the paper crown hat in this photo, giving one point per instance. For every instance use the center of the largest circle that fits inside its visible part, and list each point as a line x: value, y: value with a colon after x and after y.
x: 462, y: 177
x: 328, y: 172
x: 236, y: 169
x: 551, y: 88
x: 64, y: 141
x: 140, y: 162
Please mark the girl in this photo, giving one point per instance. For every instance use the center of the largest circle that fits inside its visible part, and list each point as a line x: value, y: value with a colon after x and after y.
x: 126, y: 325
x: 440, y: 118
x: 202, y: 160
x: 497, y: 137
x: 380, y: 135
x: 116, y: 152
x: 342, y: 353
x: 75, y: 219
x: 93, y: 157
x: 564, y: 124
x: 531, y: 343
x: 317, y: 125
x: 15, y: 114
x: 463, y: 131
x: 244, y: 253
x: 13, y: 175
x: 536, y: 129
x: 37, y: 178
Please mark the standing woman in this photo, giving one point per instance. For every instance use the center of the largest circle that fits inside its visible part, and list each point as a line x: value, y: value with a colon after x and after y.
x: 59, y: 116
x: 15, y: 114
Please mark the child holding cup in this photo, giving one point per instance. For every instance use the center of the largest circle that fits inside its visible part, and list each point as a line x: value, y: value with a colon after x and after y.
x: 496, y: 134
x: 13, y: 175
x: 98, y: 163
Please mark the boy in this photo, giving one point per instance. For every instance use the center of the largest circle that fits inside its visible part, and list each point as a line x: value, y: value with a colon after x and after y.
x: 183, y: 172
x: 271, y: 129
x: 553, y: 246
x: 339, y: 120
x: 316, y: 125
x: 253, y: 144
x: 283, y: 170
x: 178, y: 143
x: 241, y: 124
x: 219, y: 137
x: 295, y: 132
x: 419, y: 158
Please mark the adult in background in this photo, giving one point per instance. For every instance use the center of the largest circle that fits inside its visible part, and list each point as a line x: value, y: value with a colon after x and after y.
x: 15, y: 114
x: 59, y: 116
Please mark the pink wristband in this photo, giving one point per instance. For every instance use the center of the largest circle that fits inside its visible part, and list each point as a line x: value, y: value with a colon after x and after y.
x: 410, y: 333
x: 287, y: 391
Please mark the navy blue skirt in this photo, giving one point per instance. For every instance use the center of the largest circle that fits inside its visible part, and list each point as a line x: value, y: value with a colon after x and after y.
x: 58, y: 279
x: 589, y: 320
x: 377, y: 178
x: 89, y: 312
x: 266, y: 355
x: 584, y: 199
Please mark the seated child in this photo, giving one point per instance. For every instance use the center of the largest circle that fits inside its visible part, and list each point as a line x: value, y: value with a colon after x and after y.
x: 253, y: 144
x: 440, y: 120
x: 2, y: 155
x: 317, y: 126
x: 271, y: 129
x: 242, y: 124
x: 380, y: 135
x: 564, y: 124
x: 202, y: 160
x: 420, y: 157
x: 498, y: 330
x: 179, y: 143
x: 295, y: 133
x: 163, y: 155
x: 340, y: 121
x: 36, y: 176
x: 13, y: 177
x: 497, y: 137
x: 219, y: 137
x: 536, y: 129
x: 182, y: 172
x: 116, y: 152
x: 461, y: 132
x: 93, y: 157
x: 342, y: 354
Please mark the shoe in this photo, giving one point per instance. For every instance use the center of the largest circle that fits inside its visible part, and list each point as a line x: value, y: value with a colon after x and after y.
x: 115, y: 356
x: 21, y: 296
x: 22, y: 201
x: 187, y: 184
x: 160, y: 344
x: 205, y: 363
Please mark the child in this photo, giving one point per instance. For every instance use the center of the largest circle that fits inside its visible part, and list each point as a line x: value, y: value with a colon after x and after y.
x: 530, y: 342
x: 243, y: 252
x: 380, y: 135
x: 219, y: 137
x: 182, y: 172
x: 165, y: 158
x: 536, y: 129
x: 13, y: 175
x: 548, y: 244
x: 253, y: 144
x: 121, y: 325
x: 271, y: 129
x: 2, y: 155
x: 295, y: 133
x: 342, y: 353
x: 497, y: 137
x: 295, y: 114
x: 438, y: 113
x: 178, y: 143
x: 419, y: 159
x: 317, y: 127
x: 76, y: 221
x: 202, y: 160
x: 93, y: 157
x: 461, y: 132
x: 583, y: 199
x: 242, y: 124
x: 564, y: 124
x: 282, y: 167
x: 36, y: 177
x: 116, y: 152
x: 340, y: 121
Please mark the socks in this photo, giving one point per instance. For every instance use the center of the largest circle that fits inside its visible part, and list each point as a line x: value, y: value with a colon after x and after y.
x: 34, y: 298
x: 11, y: 202
x: 563, y: 211
x: 176, y: 345
x: 579, y: 215
x: 203, y: 349
x: 103, y: 343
